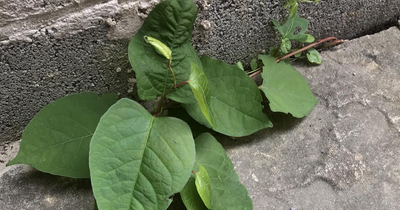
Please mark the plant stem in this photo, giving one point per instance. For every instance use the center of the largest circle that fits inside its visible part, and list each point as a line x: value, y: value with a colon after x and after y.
x: 255, y: 74
x: 250, y: 72
x: 335, y: 41
x: 172, y: 71
x: 161, y: 102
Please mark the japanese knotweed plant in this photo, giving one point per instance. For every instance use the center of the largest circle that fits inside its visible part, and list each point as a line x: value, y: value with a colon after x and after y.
x: 138, y: 160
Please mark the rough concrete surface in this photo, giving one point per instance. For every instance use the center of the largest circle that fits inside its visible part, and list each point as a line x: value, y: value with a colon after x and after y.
x: 49, y: 48
x: 344, y: 155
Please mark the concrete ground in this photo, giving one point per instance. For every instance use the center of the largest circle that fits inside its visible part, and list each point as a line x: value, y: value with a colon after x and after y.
x: 344, y: 155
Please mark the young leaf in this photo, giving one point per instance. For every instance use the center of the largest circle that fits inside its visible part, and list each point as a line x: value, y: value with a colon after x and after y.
x: 191, y: 197
x: 159, y: 46
x: 201, y: 90
x: 170, y: 22
x: 285, y: 88
x: 239, y: 65
x: 289, y: 29
x: 253, y: 64
x: 226, y: 190
x: 203, y: 186
x: 286, y: 45
x: 137, y: 161
x: 56, y: 140
x: 313, y: 56
x: 235, y: 100
x: 309, y: 38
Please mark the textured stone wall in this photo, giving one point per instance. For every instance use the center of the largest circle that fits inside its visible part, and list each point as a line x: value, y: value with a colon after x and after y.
x: 50, y: 48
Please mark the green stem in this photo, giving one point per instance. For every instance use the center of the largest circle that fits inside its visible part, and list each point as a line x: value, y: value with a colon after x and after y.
x: 250, y: 72
x: 161, y: 102
x: 172, y: 71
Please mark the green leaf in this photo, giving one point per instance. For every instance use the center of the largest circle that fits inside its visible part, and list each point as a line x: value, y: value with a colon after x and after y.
x: 159, y: 46
x: 199, y: 83
x: 203, y: 186
x: 170, y: 22
x: 226, y: 190
x: 56, y: 141
x: 191, y: 197
x: 309, y: 38
x: 286, y: 45
x: 240, y: 65
x: 289, y: 29
x: 235, y: 100
x: 285, y: 88
x: 254, y: 64
x: 137, y: 161
x: 313, y: 56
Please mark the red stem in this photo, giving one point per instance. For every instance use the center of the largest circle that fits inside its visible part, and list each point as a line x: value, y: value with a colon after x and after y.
x: 160, y: 103
x: 335, y: 40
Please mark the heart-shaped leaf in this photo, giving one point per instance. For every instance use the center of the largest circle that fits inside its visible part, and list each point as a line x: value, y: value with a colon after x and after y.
x: 313, y: 56
x: 57, y: 139
x: 235, y: 100
x: 171, y: 23
x: 285, y: 88
x: 137, y: 161
x: 201, y: 90
x: 225, y: 188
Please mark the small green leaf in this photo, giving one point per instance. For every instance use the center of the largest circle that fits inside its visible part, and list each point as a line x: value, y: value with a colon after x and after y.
x: 285, y: 88
x: 191, y: 197
x: 298, y: 54
x: 235, y: 101
x: 159, y: 46
x: 201, y: 90
x: 56, y: 141
x: 254, y: 64
x: 309, y: 38
x: 203, y: 186
x: 290, y: 27
x: 137, y: 161
x: 170, y: 22
x: 286, y: 45
x: 313, y: 56
x: 226, y: 190
x: 239, y: 65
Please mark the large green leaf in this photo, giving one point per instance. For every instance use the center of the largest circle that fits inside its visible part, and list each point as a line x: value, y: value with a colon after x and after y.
x: 235, y: 100
x: 226, y: 190
x: 57, y: 139
x: 285, y: 88
x: 137, y: 161
x: 170, y: 22
x: 203, y: 186
x: 201, y: 90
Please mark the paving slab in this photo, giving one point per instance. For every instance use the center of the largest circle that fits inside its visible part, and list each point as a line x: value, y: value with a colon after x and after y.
x: 344, y: 155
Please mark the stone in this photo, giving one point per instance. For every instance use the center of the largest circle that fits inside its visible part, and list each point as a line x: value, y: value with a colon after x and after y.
x: 346, y: 153
x: 22, y: 187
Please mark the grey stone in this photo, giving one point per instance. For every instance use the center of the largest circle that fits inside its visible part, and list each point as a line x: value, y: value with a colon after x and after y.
x: 346, y: 153
x: 22, y: 187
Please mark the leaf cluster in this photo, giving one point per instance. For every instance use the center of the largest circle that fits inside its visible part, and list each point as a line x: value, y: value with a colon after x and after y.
x: 293, y: 29
x: 139, y: 160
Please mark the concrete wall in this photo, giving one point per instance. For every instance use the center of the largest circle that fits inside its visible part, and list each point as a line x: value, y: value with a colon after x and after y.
x: 50, y: 48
